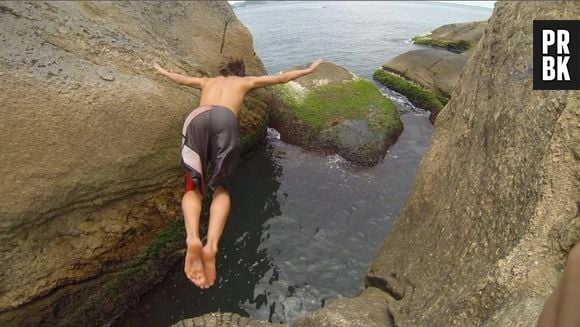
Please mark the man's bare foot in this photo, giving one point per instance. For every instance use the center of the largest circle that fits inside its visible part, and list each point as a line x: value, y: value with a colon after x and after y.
x: 208, y: 254
x: 193, y: 263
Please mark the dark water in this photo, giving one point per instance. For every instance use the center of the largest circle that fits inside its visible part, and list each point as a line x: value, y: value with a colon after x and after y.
x: 303, y: 226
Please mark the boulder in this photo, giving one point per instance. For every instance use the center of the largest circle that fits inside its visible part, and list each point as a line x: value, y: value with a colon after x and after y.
x: 369, y: 309
x: 428, y: 76
x: 457, y: 37
x: 434, y: 69
x: 225, y: 319
x: 90, y: 143
x: 334, y: 111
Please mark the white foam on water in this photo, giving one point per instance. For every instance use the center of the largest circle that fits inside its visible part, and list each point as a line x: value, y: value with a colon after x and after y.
x: 335, y: 161
x: 273, y: 134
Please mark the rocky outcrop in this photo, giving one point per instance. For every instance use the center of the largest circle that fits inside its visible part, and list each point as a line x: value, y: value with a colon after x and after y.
x: 428, y: 76
x: 457, y: 37
x: 415, y: 93
x: 370, y: 309
x: 435, y: 69
x: 223, y: 320
x: 90, y: 143
x: 334, y: 111
x: 494, y: 208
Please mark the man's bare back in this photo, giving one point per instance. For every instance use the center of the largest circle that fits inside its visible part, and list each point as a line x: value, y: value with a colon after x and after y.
x: 225, y: 91
x: 211, y: 135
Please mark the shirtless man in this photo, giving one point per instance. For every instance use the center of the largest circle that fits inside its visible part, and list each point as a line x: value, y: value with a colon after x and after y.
x: 211, y: 135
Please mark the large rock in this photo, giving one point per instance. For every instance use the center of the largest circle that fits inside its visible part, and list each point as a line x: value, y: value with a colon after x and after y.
x: 334, y: 111
x: 494, y: 208
x: 225, y: 319
x: 428, y: 76
x: 434, y: 69
x: 456, y: 37
x: 90, y: 140
x: 370, y: 309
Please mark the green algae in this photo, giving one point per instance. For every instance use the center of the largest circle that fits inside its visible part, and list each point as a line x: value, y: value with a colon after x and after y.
x: 416, y: 94
x: 328, y: 105
x: 455, y: 46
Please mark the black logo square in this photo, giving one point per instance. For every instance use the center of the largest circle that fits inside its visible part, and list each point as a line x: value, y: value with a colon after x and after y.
x: 556, y: 54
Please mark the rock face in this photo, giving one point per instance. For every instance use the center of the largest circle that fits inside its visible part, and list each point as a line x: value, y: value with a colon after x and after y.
x: 90, y: 139
x: 494, y: 208
x: 334, y: 111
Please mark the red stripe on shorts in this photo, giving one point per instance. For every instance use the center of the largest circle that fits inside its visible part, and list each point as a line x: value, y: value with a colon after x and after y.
x: 189, y: 185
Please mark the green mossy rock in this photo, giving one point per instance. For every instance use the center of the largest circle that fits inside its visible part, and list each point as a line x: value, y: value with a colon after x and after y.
x: 418, y: 95
x: 428, y: 76
x: 454, y: 37
x: 333, y: 111
x: 456, y: 46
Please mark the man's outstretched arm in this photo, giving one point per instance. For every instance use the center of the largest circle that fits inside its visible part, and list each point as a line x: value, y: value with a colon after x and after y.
x: 196, y: 82
x: 261, y: 81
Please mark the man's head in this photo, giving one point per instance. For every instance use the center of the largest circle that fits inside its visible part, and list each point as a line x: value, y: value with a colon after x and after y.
x: 233, y: 67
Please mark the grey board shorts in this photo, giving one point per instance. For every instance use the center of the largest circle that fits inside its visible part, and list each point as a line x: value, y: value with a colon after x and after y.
x: 210, y: 136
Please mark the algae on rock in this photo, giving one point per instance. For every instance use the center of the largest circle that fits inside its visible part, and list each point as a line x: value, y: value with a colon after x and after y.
x: 428, y: 76
x: 333, y: 111
x: 458, y: 37
x: 417, y: 95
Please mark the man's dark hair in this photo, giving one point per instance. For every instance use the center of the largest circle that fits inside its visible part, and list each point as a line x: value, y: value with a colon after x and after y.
x: 234, y: 67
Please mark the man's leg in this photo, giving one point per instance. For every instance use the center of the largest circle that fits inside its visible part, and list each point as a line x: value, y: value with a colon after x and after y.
x: 218, y: 215
x: 191, y: 206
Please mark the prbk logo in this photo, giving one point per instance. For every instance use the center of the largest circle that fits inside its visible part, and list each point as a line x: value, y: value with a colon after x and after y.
x: 556, y: 54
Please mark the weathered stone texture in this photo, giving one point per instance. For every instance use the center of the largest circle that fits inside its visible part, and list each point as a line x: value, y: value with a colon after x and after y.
x: 494, y: 209
x: 369, y: 309
x: 223, y: 320
x: 91, y: 132
x: 434, y: 69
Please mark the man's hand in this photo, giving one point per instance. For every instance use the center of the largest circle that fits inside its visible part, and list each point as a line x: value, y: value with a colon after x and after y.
x: 181, y: 79
x: 261, y: 81
x: 315, y: 64
x: 160, y: 69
